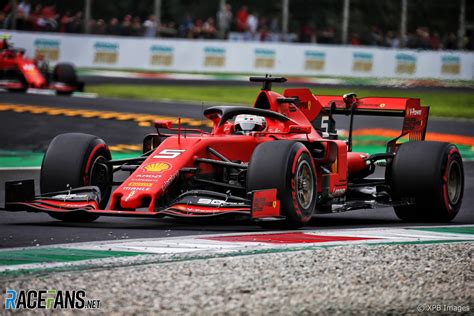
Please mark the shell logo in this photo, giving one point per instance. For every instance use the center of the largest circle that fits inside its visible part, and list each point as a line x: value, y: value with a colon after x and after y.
x: 157, y: 167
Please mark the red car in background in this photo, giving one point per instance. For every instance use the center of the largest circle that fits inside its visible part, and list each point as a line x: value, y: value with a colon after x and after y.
x: 19, y: 73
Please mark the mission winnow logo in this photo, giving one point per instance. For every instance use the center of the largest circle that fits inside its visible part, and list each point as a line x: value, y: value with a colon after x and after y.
x: 49, y: 299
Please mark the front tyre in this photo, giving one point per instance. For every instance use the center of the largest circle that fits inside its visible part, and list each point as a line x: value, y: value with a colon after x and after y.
x: 288, y: 167
x: 71, y: 161
x: 431, y: 175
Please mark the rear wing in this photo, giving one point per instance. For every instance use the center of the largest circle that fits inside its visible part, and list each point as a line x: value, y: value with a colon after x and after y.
x: 415, y: 116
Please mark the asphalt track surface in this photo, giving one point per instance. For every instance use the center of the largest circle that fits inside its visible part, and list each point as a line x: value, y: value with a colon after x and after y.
x: 33, y: 132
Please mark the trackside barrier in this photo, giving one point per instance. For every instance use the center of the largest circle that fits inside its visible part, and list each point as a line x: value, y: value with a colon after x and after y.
x: 215, y: 56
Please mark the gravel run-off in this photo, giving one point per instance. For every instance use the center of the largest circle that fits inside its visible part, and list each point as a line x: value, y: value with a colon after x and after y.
x: 395, y: 279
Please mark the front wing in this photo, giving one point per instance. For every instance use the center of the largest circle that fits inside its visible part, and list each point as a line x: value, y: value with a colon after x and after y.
x: 262, y: 204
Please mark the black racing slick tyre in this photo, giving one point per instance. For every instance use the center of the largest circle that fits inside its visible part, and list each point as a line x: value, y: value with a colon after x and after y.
x: 71, y: 162
x: 65, y: 73
x: 288, y: 167
x: 431, y: 175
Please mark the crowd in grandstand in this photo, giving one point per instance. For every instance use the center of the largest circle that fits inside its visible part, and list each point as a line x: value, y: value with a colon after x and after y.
x: 243, y: 24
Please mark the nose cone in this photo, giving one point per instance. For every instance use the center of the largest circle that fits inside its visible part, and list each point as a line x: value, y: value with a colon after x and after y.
x: 132, y: 200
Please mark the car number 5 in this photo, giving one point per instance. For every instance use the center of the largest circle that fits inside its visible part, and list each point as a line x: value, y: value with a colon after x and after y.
x: 169, y: 153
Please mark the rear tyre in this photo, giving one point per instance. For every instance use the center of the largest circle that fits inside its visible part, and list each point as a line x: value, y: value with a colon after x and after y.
x: 71, y: 160
x: 288, y: 167
x: 66, y: 73
x: 431, y: 174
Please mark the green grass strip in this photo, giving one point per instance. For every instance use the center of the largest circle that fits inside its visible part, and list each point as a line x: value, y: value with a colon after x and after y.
x: 469, y: 230
x: 51, y: 255
x: 442, y: 103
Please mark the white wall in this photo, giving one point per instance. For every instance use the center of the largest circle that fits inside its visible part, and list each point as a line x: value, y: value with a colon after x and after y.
x: 246, y: 57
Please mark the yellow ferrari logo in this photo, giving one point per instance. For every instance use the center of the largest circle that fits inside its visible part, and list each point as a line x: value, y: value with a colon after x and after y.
x: 309, y: 105
x: 157, y: 167
x: 382, y: 105
x: 274, y: 204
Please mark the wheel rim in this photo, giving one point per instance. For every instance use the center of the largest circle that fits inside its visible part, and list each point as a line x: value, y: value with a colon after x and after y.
x: 454, y: 182
x: 304, y: 184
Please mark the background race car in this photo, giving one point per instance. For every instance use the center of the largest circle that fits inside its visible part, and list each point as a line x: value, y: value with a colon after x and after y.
x: 18, y: 73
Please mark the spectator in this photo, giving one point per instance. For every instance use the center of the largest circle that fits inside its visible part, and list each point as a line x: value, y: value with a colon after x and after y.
x: 263, y: 33
x: 186, y: 27
x: 252, y: 24
x: 150, y: 27
x: 25, y: 7
x: 21, y: 21
x: 241, y: 19
x: 47, y: 21
x: 376, y: 37
x: 327, y: 36
x: 451, y: 41
x: 168, y: 30
x: 224, y: 20
x: 35, y: 16
x: 126, y: 26
x: 100, y: 27
x: 275, y: 25
x: 307, y: 34
x: 209, y: 29
x: 435, y: 41
x: 77, y: 25
x: 247, y: 27
x: 355, y: 39
x: 196, y: 31
x: 92, y: 26
x: 136, y: 27
x: 113, y: 28
x: 65, y: 22
x: 391, y: 40
x: 2, y: 19
x: 423, y: 38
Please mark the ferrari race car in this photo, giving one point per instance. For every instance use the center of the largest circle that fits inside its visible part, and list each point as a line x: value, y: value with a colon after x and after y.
x: 278, y: 163
x: 18, y: 73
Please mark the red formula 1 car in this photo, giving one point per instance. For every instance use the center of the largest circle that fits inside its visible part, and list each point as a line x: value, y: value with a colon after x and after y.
x: 279, y: 161
x: 18, y: 73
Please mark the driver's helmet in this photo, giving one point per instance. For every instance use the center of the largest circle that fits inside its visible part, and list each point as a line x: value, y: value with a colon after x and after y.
x: 249, y: 123
x: 4, y: 38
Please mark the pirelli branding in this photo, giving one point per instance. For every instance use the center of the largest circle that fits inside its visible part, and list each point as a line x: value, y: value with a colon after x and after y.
x: 48, y: 48
x: 214, y: 57
x: 140, y: 184
x: 161, y: 55
x: 406, y: 64
x: 106, y: 53
x: 265, y: 58
x: 314, y: 60
x: 362, y: 62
